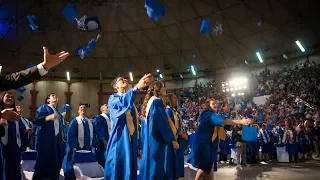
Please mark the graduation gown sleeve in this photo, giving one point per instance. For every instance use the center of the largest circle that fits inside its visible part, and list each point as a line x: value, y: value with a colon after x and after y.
x: 101, y: 129
x: 162, y: 124
x: 123, y: 103
x: 18, y: 79
x: 72, y: 143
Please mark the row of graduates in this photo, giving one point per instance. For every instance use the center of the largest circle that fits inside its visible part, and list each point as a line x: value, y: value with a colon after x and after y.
x: 159, y: 137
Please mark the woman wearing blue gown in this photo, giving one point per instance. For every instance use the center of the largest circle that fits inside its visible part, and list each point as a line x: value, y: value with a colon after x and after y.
x: 14, y: 140
x: 204, y: 150
x: 159, y: 133
x: 178, y: 169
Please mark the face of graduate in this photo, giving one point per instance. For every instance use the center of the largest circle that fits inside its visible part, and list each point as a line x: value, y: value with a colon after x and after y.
x: 82, y: 110
x: 104, y: 108
x: 8, y: 99
x: 174, y: 101
x: 19, y: 109
x: 163, y: 90
x: 213, y: 106
x: 121, y: 84
x: 53, y: 100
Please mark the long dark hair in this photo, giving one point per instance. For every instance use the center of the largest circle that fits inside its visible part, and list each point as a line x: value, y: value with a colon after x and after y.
x: 170, y: 97
x: 207, y: 104
x: 153, y: 90
x: 1, y: 100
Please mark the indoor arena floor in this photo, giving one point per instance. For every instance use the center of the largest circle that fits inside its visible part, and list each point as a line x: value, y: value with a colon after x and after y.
x: 309, y: 170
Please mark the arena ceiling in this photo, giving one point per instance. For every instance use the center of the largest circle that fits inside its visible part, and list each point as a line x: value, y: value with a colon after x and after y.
x: 130, y: 38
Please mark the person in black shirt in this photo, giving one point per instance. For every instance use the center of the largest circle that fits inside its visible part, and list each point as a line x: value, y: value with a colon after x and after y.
x: 241, y: 146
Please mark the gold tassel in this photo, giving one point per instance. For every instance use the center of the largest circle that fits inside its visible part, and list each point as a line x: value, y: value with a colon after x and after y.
x: 176, y: 120
x: 130, y: 124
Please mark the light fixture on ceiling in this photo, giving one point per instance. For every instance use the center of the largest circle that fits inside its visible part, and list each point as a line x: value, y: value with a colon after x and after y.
x: 0, y: 69
x: 245, y: 61
x: 193, y: 70
x: 131, y: 77
x: 300, y: 46
x: 259, y: 57
x: 161, y: 76
x: 68, y: 76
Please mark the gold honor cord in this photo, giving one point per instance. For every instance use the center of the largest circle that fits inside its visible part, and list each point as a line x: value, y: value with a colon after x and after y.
x: 172, y: 127
x: 130, y: 123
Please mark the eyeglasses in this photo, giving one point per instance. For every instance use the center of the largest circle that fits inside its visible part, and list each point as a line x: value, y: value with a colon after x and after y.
x: 121, y: 79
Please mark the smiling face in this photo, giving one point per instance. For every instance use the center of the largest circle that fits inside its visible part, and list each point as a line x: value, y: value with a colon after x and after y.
x: 8, y: 100
x: 82, y: 111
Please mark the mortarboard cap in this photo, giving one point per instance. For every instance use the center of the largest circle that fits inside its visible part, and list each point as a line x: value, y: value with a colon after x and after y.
x: 33, y: 24
x: 30, y: 65
x: 70, y: 13
x: 52, y: 70
x: 66, y: 107
x: 129, y: 67
x: 154, y: 9
x: 81, y: 52
x: 205, y: 26
x: 21, y: 89
x: 118, y: 74
x: 92, y: 24
x: 20, y: 98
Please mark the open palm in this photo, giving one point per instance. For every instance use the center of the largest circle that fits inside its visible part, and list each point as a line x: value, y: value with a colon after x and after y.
x: 49, y: 61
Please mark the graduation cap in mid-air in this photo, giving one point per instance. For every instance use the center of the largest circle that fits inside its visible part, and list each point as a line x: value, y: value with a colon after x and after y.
x: 154, y: 9
x: 66, y: 107
x: 33, y: 24
x: 85, y: 23
x: 205, y: 26
x: 193, y: 54
x: 87, y: 51
x: 21, y: 89
x: 20, y: 98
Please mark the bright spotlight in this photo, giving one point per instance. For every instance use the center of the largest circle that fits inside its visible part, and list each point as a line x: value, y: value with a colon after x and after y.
x: 259, y: 57
x: 232, y: 94
x: 300, y: 46
x: 231, y: 89
x: 158, y: 70
x: 244, y: 87
x: 227, y: 84
x: 222, y: 85
x: 227, y: 90
x: 223, y: 91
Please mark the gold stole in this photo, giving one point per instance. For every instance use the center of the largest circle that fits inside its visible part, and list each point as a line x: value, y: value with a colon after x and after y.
x: 284, y: 139
x: 172, y: 126
x: 176, y: 119
x: 130, y: 123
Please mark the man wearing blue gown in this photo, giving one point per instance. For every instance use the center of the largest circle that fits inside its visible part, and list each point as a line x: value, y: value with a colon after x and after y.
x: 103, y: 126
x: 122, y: 149
x: 50, y: 140
x: 28, y: 126
x: 80, y: 136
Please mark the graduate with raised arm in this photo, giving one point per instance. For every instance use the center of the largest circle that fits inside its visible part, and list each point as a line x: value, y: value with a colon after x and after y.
x: 12, y: 141
x: 80, y: 136
x: 122, y: 149
x: 172, y: 112
x: 160, y: 132
x: 50, y: 140
x: 203, y: 153
x: 102, y: 125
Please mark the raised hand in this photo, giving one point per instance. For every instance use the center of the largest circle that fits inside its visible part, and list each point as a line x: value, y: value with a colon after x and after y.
x: 144, y: 81
x: 246, y: 121
x: 49, y: 61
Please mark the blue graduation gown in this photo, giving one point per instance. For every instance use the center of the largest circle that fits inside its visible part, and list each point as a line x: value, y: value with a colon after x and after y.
x: 72, y: 144
x: 171, y: 162
x: 291, y: 147
x: 121, y: 153
x: 203, y: 152
x: 158, y: 136
x: 12, y: 152
x: 50, y: 147
x: 102, y: 134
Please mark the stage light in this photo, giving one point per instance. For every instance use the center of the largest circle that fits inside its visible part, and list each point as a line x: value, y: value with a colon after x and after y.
x: 300, y: 46
x: 227, y: 90
x: 68, y: 76
x: 223, y: 90
x: 259, y: 57
x: 130, y: 74
x: 231, y: 89
x: 222, y: 85
x: 244, y: 87
x: 227, y: 84
x: 232, y: 95
x: 158, y: 70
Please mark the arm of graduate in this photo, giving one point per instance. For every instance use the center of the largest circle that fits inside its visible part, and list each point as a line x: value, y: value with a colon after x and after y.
x: 18, y: 79
x: 219, y: 120
x: 162, y: 121
x: 98, y: 125
x: 121, y: 104
x: 72, y: 135
x: 43, y: 116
